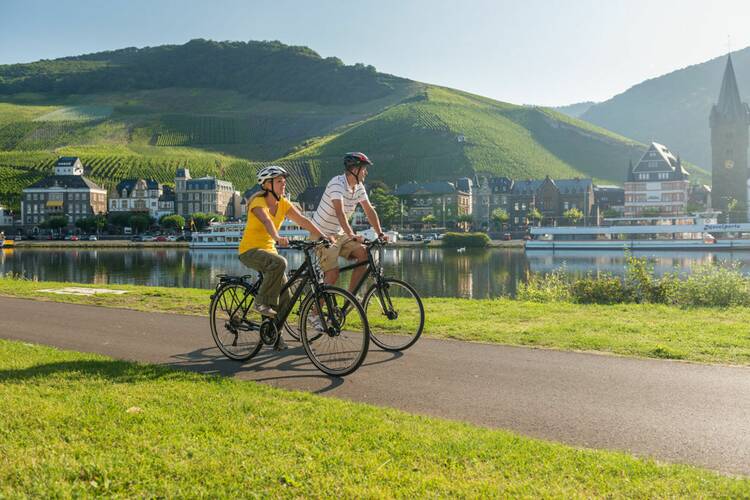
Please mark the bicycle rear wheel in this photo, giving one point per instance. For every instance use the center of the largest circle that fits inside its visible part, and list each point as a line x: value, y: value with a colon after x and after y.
x: 235, y: 327
x: 395, y: 314
x: 336, y: 342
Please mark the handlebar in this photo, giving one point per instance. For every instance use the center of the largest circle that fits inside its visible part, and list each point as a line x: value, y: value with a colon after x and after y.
x: 308, y: 244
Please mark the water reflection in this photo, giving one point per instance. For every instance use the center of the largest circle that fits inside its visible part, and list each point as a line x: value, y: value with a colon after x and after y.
x: 435, y: 272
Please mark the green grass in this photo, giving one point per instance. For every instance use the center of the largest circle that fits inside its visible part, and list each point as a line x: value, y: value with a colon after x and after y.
x: 85, y: 425
x: 709, y: 335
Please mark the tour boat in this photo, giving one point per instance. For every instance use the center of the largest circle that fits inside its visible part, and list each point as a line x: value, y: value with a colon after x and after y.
x: 229, y: 234
x: 689, y: 232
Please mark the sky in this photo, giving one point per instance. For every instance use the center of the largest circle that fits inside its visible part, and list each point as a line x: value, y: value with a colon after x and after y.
x: 544, y: 52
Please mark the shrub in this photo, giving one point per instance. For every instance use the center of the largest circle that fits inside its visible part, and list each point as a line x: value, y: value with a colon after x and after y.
x: 469, y: 240
x: 712, y: 285
x: 552, y: 287
x: 606, y: 289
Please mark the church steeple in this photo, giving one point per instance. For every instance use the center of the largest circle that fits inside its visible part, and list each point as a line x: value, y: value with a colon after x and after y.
x: 730, y: 105
x: 730, y: 137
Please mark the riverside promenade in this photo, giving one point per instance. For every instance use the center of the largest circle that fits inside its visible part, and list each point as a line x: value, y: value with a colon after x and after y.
x: 671, y: 411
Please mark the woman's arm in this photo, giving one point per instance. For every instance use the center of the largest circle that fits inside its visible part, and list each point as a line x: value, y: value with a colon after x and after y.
x: 262, y: 215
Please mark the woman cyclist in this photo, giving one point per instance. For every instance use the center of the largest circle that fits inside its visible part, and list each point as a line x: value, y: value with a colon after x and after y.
x: 266, y: 210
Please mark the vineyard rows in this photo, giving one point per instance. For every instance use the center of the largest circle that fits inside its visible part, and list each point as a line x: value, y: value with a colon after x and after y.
x: 30, y: 136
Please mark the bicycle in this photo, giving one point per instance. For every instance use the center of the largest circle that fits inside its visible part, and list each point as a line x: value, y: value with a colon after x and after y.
x: 240, y: 332
x: 394, y: 310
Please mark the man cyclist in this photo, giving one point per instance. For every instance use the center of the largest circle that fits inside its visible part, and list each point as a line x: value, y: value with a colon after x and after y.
x: 341, y: 197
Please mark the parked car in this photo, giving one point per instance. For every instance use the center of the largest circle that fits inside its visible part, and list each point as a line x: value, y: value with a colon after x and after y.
x: 507, y: 236
x: 160, y: 238
x: 418, y: 237
x: 68, y: 237
x: 93, y: 238
x: 137, y: 238
x: 147, y: 237
x: 74, y: 238
x: 171, y: 237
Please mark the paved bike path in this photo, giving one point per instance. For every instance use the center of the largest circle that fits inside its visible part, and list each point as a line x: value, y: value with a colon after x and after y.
x: 671, y: 411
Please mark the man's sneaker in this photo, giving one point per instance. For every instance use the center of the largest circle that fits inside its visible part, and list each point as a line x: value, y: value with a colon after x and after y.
x: 264, y: 310
x: 280, y: 344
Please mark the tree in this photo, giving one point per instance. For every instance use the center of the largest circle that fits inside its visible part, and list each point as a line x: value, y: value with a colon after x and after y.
x: 465, y: 220
x: 201, y: 220
x: 731, y: 206
x: 173, y: 221
x: 55, y: 223
x: 387, y: 205
x: 86, y: 224
x: 573, y: 215
x: 100, y: 221
x: 651, y: 212
x: 535, y: 215
x: 428, y: 220
x: 139, y: 222
x: 119, y: 219
x: 500, y: 217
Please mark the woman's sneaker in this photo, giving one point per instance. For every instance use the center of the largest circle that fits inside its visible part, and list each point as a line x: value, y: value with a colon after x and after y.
x: 316, y: 322
x: 264, y: 310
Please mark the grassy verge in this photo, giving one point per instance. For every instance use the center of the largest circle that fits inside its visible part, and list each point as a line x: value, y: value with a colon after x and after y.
x: 646, y: 330
x: 78, y: 425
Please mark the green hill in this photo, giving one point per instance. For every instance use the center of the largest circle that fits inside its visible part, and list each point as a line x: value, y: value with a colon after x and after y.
x: 673, y: 109
x: 226, y: 108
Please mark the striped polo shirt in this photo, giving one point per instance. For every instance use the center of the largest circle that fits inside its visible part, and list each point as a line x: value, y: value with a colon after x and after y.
x: 337, y: 189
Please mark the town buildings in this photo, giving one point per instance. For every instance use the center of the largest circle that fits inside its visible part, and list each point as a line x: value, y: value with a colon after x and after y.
x: 206, y: 195
x: 67, y: 194
x: 443, y: 200
x: 657, y: 185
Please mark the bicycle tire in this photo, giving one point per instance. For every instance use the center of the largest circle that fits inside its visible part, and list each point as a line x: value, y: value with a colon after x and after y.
x: 384, y: 331
x: 325, y: 349
x: 226, y: 330
x: 293, y: 323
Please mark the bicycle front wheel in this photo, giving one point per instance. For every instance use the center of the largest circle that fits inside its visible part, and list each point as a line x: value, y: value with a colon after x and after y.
x: 334, y: 331
x: 235, y: 327
x: 395, y: 314
x: 292, y: 325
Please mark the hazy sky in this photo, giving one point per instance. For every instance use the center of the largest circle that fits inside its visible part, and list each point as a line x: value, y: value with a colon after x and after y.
x: 549, y: 52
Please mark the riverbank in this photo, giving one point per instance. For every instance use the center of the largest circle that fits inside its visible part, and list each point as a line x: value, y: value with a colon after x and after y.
x: 709, y: 335
x: 99, y: 244
x: 184, y: 244
x: 87, y: 425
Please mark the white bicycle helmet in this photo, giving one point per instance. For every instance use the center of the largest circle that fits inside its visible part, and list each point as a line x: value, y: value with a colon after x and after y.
x: 270, y: 172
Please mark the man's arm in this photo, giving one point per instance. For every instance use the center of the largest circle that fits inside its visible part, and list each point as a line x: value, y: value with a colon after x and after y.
x: 338, y: 207
x: 372, y: 216
x: 295, y: 216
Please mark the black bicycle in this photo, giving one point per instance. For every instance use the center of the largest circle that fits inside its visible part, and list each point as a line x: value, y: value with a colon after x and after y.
x: 332, y: 324
x: 394, y: 310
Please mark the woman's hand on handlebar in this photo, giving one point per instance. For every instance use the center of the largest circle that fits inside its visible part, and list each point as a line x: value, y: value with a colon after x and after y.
x: 282, y: 241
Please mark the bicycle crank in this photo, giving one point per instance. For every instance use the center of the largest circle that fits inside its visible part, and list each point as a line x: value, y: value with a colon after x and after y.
x: 269, y: 334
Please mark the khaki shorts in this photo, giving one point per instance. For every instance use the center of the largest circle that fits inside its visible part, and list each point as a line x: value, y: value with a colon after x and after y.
x: 329, y: 257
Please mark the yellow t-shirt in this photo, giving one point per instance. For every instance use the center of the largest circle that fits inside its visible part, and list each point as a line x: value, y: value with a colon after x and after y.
x: 256, y: 235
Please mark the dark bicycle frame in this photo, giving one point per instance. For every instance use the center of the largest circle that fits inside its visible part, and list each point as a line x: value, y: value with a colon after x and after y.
x: 373, y: 270
x: 306, y: 271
